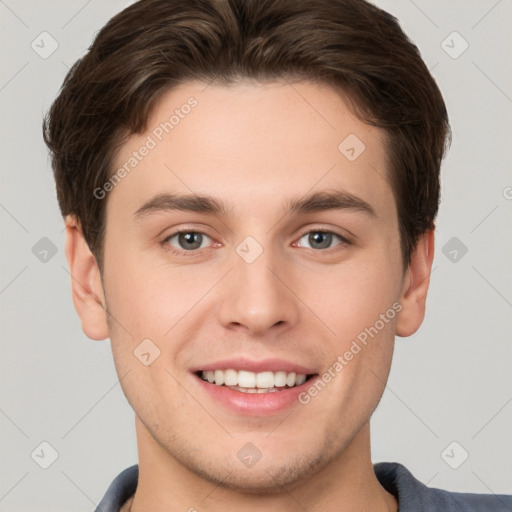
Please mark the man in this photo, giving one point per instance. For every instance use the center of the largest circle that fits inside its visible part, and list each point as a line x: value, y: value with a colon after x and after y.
x: 250, y: 189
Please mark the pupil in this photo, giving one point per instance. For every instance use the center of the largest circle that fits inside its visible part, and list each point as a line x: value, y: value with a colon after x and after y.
x: 321, y: 239
x: 190, y: 240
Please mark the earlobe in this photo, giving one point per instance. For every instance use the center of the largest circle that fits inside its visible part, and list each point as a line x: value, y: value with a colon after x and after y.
x: 86, y: 285
x: 415, y: 286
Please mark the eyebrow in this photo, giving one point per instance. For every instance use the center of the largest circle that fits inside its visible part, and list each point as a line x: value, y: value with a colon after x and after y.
x: 336, y: 200
x: 317, y: 202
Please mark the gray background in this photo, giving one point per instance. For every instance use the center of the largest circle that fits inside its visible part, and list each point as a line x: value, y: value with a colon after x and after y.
x: 450, y: 382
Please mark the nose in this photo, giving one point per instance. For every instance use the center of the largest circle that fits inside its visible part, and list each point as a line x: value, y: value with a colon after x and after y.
x: 257, y: 296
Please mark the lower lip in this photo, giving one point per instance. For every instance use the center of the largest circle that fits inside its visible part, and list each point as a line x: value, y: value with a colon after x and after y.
x: 255, y: 404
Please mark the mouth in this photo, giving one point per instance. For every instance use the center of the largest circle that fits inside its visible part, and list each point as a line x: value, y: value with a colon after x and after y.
x: 245, y: 381
x: 247, y: 387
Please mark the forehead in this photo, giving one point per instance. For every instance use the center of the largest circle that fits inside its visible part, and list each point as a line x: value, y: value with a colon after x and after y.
x: 250, y: 143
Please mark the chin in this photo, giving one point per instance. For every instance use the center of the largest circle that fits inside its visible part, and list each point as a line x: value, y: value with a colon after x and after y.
x: 266, y: 476
x: 265, y: 479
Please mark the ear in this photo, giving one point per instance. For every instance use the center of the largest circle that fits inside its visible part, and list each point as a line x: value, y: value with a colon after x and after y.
x: 86, y: 285
x: 415, y: 286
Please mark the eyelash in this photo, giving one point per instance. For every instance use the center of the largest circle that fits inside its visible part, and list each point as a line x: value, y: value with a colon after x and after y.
x: 344, y: 241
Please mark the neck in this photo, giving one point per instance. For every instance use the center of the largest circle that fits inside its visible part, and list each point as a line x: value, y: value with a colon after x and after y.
x: 347, y: 483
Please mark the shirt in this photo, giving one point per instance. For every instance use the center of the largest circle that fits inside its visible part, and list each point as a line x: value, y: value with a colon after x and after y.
x: 411, y: 494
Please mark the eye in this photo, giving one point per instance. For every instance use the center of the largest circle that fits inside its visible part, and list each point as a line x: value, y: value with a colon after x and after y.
x: 187, y: 241
x: 322, y: 239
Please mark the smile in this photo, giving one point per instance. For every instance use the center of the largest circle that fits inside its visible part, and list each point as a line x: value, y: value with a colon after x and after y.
x: 251, y: 382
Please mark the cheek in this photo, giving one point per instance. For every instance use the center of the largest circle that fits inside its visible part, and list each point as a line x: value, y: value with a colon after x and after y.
x: 358, y: 301
x: 352, y: 297
x: 150, y: 300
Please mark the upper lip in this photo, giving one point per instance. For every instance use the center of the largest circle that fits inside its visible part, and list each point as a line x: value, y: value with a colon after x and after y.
x: 255, y: 366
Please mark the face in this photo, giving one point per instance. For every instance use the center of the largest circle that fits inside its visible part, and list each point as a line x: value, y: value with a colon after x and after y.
x: 254, y: 244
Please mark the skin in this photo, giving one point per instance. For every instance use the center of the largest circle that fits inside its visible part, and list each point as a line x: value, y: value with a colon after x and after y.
x: 255, y: 146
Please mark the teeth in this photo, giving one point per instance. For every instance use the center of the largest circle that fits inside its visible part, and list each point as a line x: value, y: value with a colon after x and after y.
x: 265, y: 380
x: 245, y: 379
x: 300, y: 379
x: 219, y: 377
x: 230, y: 377
x: 251, y: 382
x: 280, y: 379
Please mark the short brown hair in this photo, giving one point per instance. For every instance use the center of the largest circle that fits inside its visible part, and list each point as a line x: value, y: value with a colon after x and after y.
x: 154, y: 45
